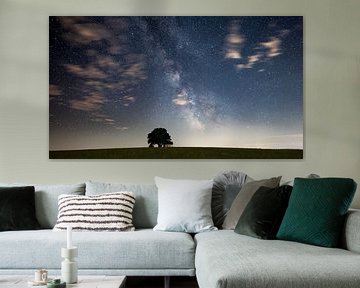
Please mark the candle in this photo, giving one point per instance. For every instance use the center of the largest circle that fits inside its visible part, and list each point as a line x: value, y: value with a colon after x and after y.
x: 69, y: 237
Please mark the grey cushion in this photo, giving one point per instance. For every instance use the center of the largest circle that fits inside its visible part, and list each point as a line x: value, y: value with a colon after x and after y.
x: 225, y: 259
x: 46, y: 200
x: 351, y: 234
x: 310, y: 176
x: 264, y: 212
x: 146, y: 204
x: 243, y: 198
x: 225, y: 189
x: 184, y: 205
x: 144, y: 249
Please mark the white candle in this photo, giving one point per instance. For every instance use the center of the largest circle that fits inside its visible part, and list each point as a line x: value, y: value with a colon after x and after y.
x: 69, y: 237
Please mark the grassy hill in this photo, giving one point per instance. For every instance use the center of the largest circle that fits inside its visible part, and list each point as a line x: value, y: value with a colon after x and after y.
x: 178, y: 153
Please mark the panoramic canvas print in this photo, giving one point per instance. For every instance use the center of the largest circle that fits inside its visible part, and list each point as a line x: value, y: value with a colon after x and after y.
x: 176, y: 87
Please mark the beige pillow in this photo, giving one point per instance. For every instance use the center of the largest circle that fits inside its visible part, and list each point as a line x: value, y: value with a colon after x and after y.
x: 243, y: 198
x: 104, y: 212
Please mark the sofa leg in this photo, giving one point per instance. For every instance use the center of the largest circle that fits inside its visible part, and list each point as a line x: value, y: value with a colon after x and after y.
x: 167, y: 282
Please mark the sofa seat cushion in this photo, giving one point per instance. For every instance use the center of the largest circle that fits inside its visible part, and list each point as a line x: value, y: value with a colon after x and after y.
x: 225, y: 259
x: 142, y: 249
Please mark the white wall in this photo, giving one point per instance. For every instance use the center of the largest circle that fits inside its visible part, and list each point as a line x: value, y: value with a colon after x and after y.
x: 331, y: 91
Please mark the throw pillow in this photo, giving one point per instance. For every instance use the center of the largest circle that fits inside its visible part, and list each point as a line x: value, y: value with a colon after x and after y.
x: 311, y: 176
x: 184, y: 205
x: 106, y: 212
x: 316, y: 211
x: 146, y: 205
x: 226, y: 187
x: 17, y: 208
x: 243, y: 198
x: 263, y: 215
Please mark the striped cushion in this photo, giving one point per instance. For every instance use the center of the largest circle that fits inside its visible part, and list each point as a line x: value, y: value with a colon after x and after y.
x: 105, y: 212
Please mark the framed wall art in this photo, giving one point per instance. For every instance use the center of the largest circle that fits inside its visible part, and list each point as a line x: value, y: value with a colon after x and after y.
x: 176, y: 87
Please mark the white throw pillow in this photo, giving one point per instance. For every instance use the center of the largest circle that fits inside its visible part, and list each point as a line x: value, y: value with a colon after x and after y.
x: 104, y: 212
x: 184, y: 205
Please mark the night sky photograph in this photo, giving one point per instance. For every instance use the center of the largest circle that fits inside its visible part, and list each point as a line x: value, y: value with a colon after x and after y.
x: 211, y: 82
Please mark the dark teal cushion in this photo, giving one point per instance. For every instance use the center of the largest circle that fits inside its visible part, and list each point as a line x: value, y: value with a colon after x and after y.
x: 17, y: 208
x: 264, y: 213
x: 316, y: 211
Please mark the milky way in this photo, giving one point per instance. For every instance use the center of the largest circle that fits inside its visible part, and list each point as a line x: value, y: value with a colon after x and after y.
x: 210, y: 81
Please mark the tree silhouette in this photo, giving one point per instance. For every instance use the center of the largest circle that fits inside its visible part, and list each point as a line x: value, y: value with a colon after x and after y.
x: 159, y: 137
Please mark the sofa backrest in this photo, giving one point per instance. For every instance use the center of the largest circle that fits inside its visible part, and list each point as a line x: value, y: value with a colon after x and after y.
x: 46, y: 200
x: 146, y: 203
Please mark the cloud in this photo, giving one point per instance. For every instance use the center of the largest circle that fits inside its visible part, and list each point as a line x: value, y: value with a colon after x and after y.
x: 80, y: 32
x: 90, y: 32
x: 273, y: 47
x: 109, y: 121
x: 104, y: 119
x: 121, y: 128
x: 234, y: 41
x: 88, y: 103
x: 252, y: 60
x: 118, y: 40
x: 127, y: 100
x: 111, y: 78
x: 100, y: 117
x: 243, y: 66
x: 87, y: 72
x: 68, y: 21
x: 136, y: 71
x: 106, y: 62
x: 54, y: 90
x: 232, y: 54
x: 180, y: 101
x: 284, y: 32
x: 182, y: 98
x: 268, y: 49
x: 101, y: 77
x: 95, y: 84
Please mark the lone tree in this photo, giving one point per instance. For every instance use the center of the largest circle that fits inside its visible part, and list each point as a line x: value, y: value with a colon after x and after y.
x: 159, y: 137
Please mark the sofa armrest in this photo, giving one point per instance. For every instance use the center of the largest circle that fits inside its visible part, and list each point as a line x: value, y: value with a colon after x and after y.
x: 351, y: 234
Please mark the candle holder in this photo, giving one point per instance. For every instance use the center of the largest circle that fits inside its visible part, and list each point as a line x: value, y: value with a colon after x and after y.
x: 69, y: 271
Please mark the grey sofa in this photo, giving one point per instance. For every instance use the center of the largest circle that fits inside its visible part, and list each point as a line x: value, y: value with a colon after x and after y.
x: 218, y: 259
x: 143, y: 252
x: 226, y: 259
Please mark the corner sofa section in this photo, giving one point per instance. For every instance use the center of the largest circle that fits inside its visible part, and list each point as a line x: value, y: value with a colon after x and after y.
x: 221, y: 259
x: 225, y: 259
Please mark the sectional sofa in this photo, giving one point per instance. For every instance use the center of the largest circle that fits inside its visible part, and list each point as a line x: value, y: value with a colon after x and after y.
x: 219, y: 259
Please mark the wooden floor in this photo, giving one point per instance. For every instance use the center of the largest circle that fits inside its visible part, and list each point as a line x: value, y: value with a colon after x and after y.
x: 158, y: 282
